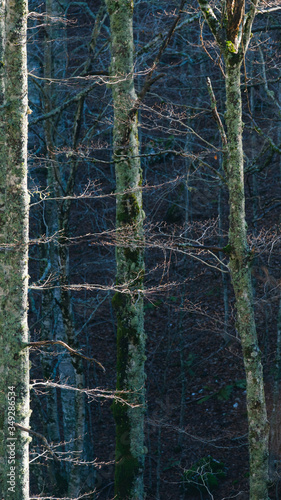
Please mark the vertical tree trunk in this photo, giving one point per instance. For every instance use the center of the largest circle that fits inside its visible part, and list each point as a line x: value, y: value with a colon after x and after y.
x: 233, y: 43
x: 14, y: 364
x: 128, y: 304
x: 239, y: 265
x: 2, y: 236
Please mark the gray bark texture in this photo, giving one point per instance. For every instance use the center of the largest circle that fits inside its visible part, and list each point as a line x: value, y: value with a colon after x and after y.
x: 240, y: 271
x: 14, y: 201
x: 128, y: 303
x: 233, y: 42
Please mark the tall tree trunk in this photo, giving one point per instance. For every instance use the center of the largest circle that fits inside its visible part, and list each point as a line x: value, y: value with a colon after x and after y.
x: 128, y: 303
x: 240, y: 271
x: 2, y: 235
x: 233, y: 43
x: 14, y: 364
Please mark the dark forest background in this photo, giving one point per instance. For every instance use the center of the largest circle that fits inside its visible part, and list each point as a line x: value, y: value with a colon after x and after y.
x: 195, y: 385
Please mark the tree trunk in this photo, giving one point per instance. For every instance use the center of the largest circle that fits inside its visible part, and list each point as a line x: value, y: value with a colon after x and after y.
x: 233, y: 42
x: 240, y: 271
x: 2, y: 236
x: 130, y: 450
x: 14, y: 363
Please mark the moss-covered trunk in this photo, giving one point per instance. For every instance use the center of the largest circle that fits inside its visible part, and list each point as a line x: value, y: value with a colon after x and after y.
x: 239, y: 265
x: 14, y: 364
x: 128, y: 303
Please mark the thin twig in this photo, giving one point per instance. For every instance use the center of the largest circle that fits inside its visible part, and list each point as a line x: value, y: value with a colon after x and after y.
x: 215, y: 112
x: 40, y: 436
x: 63, y: 344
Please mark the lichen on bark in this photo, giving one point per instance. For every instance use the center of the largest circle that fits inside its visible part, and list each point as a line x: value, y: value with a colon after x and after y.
x: 128, y: 303
x: 240, y: 272
x: 14, y: 258
x: 237, y: 248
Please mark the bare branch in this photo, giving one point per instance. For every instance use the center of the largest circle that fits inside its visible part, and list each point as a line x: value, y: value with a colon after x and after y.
x: 249, y: 19
x: 149, y: 80
x: 63, y: 344
x: 267, y: 11
x: 93, y: 393
x: 211, y: 19
x: 269, y: 93
x: 61, y: 108
x: 215, y: 112
x: 40, y: 436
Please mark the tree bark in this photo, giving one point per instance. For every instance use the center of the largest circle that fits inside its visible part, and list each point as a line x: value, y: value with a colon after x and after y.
x: 130, y: 450
x: 14, y: 201
x: 240, y: 271
x: 234, y: 48
x: 2, y: 219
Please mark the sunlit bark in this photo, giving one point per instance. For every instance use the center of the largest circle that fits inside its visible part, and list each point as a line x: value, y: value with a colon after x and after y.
x: 240, y: 271
x: 233, y: 43
x: 14, y: 364
x: 130, y: 451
